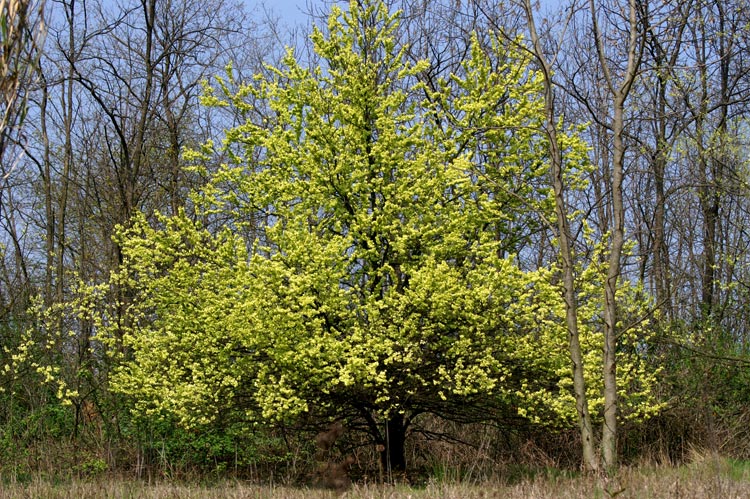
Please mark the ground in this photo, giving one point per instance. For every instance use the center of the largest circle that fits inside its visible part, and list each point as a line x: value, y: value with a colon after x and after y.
x: 706, y: 477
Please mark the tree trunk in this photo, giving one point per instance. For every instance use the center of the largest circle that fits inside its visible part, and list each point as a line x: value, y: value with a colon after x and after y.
x: 590, y: 462
x: 619, y: 93
x: 609, y: 429
x: 393, y: 455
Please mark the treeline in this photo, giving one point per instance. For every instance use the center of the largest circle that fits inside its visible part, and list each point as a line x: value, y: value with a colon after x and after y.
x: 450, y: 233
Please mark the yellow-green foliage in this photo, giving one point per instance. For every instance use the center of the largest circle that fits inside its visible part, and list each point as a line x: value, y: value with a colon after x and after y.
x: 186, y: 284
x: 542, y: 319
x: 381, y: 274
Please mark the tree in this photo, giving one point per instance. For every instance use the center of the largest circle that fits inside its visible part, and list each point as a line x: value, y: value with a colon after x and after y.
x: 21, y: 41
x: 22, y: 36
x: 381, y: 284
x: 565, y: 242
x: 603, y: 96
x: 619, y: 91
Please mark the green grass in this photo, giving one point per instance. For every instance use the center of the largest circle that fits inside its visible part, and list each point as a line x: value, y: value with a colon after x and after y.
x: 739, y: 469
x: 705, y: 477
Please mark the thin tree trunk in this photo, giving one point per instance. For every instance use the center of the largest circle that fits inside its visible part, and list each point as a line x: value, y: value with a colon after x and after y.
x: 619, y: 95
x: 590, y: 462
x: 68, y: 105
x: 49, y: 209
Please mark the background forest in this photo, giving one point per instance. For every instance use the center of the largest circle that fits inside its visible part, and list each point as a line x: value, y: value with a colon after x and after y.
x: 422, y: 237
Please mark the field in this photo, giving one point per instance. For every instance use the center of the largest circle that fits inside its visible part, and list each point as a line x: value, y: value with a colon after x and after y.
x: 706, y: 477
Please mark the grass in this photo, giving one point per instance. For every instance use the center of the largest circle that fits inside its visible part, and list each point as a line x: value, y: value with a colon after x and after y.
x: 708, y: 476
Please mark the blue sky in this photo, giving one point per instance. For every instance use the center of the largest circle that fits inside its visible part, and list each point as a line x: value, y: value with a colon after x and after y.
x: 291, y: 11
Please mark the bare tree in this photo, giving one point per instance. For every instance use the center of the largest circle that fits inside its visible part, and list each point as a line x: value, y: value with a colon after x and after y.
x: 619, y: 89
x: 565, y: 242
x: 666, y: 119
x: 21, y: 42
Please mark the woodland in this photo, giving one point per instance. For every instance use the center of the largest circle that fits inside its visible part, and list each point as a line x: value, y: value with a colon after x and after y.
x: 397, y: 241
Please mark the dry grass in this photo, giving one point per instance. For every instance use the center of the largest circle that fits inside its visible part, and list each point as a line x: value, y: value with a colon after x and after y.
x: 707, y: 476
